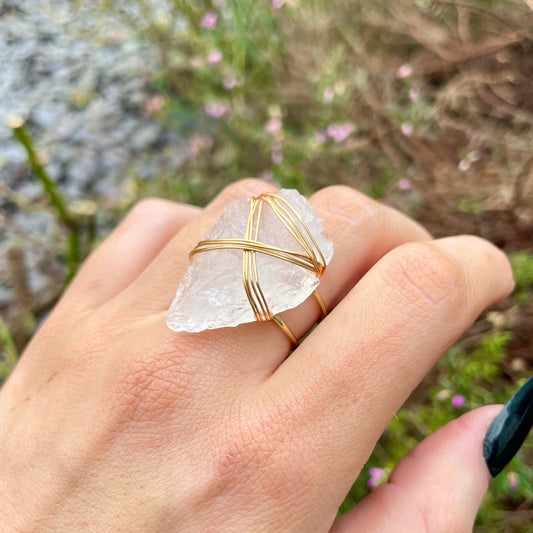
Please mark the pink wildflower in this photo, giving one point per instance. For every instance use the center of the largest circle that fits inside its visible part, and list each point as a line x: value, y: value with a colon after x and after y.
x: 217, y: 111
x: 214, y: 57
x: 277, y: 157
x: 407, y: 129
x: 209, y: 20
x: 266, y: 175
x: 320, y: 136
x: 340, y: 132
x: 273, y: 126
x: 199, y: 143
x: 414, y: 95
x: 404, y: 184
x: 229, y: 83
x: 404, y: 71
x: 329, y: 94
x: 512, y: 480
x: 277, y: 4
x: 377, y: 475
x: 153, y: 105
x: 458, y: 401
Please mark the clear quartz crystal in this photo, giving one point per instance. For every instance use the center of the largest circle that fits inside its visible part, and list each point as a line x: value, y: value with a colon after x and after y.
x: 211, y: 295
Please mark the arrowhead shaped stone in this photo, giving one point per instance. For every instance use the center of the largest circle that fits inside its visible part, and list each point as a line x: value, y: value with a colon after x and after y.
x: 211, y: 295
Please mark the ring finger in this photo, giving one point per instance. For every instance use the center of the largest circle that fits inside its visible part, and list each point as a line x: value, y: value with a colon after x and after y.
x: 362, y: 231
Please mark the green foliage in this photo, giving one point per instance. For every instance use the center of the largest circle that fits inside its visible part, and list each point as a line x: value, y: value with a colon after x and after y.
x: 379, y: 187
x: 278, y: 91
x: 279, y: 106
x: 469, y: 207
x: 522, y: 263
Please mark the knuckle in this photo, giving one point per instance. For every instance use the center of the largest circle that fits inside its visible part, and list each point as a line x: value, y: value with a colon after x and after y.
x: 245, y: 187
x: 348, y: 205
x: 146, y: 208
x: 339, y: 192
x: 425, y: 274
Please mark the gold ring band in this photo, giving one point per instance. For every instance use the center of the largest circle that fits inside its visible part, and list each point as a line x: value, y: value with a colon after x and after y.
x: 288, y: 332
x: 321, y: 303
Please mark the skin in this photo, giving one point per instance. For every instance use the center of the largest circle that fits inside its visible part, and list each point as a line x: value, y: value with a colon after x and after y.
x: 112, y: 422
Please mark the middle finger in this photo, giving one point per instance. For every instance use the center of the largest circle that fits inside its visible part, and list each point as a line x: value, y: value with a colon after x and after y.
x: 362, y: 231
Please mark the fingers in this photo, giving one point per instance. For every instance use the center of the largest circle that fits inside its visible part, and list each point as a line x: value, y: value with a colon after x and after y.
x: 345, y: 382
x: 127, y: 251
x: 438, y: 487
x: 362, y: 231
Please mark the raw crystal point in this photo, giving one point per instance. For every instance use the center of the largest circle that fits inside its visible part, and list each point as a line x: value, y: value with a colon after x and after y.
x: 211, y: 295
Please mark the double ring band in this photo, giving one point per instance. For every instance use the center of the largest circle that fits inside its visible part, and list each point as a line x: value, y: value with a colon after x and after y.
x: 288, y: 332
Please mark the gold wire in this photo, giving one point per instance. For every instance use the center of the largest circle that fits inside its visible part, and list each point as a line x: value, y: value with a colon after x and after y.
x: 288, y: 332
x: 321, y: 303
x: 312, y: 259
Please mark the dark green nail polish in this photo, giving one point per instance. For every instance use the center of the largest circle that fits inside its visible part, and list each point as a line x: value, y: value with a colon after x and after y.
x: 509, y: 430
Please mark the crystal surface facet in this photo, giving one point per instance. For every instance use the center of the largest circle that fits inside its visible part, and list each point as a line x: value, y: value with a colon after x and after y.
x: 211, y: 294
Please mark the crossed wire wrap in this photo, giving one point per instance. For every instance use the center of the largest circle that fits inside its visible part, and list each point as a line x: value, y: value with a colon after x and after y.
x: 310, y: 259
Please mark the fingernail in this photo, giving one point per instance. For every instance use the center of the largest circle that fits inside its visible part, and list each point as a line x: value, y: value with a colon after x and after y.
x: 509, y: 429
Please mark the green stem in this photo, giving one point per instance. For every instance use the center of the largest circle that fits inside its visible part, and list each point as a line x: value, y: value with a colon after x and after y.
x: 57, y: 200
x: 73, y: 254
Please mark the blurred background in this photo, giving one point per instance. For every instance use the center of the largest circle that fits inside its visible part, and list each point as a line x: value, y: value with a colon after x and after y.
x: 426, y: 105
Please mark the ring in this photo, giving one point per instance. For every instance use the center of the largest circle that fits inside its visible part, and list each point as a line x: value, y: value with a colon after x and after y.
x: 264, y: 255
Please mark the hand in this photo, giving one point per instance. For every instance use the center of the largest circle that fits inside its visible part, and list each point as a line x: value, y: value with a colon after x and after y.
x: 112, y: 422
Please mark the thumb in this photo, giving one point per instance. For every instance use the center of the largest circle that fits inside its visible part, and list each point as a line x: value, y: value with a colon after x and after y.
x: 437, y: 487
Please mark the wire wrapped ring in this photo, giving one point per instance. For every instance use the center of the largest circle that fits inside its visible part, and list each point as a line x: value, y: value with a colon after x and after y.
x: 311, y: 259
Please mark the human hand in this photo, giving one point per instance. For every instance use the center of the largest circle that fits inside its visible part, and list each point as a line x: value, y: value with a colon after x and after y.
x: 112, y: 422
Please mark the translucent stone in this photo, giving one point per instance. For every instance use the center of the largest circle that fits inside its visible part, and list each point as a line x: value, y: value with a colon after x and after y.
x: 211, y: 295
